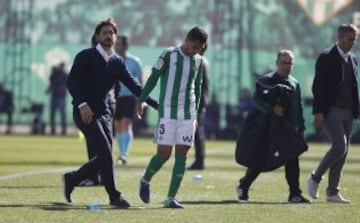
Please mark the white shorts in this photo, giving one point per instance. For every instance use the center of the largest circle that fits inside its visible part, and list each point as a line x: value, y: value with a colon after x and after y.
x: 175, y: 132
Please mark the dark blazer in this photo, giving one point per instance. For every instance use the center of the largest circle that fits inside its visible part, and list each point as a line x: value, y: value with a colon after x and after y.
x: 91, y: 79
x: 329, y: 71
x: 267, y: 141
x: 6, y: 101
x: 204, y: 87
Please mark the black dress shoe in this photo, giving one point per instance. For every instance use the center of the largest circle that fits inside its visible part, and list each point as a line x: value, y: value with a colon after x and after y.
x: 196, y: 166
x: 68, y: 186
x: 121, y: 203
x: 298, y: 199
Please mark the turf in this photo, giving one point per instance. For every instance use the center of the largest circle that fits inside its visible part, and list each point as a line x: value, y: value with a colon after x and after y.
x: 31, y: 190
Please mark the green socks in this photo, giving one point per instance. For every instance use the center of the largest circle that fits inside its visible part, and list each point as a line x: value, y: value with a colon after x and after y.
x: 177, y: 175
x: 157, y: 162
x: 154, y: 166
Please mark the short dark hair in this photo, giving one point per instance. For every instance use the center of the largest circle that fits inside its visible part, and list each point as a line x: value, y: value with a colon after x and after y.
x: 123, y: 38
x: 347, y: 28
x: 108, y: 22
x: 197, y: 33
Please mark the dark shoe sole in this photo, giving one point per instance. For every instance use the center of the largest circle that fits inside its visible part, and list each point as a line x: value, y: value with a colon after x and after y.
x: 65, y: 189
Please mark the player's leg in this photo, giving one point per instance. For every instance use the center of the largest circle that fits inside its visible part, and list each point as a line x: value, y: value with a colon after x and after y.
x: 164, y: 137
x: 184, y: 140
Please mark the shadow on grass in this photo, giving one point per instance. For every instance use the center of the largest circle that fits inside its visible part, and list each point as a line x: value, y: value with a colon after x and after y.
x: 58, y: 206
x: 233, y: 202
x: 28, y: 187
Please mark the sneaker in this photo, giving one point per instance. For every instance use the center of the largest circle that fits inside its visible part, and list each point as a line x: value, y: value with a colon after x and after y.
x: 67, y: 186
x: 172, y: 203
x: 338, y: 198
x: 144, y: 191
x: 313, y: 188
x: 121, y: 203
x: 122, y: 160
x: 298, y: 199
x: 242, y: 194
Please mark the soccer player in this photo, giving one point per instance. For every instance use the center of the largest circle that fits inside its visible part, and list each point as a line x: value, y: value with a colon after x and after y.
x: 126, y: 101
x: 180, y: 71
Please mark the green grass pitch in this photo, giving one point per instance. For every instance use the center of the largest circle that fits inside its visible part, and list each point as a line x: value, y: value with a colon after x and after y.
x: 31, y: 190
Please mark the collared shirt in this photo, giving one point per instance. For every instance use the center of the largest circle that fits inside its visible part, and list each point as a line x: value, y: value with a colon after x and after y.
x: 103, y: 53
x: 344, y: 55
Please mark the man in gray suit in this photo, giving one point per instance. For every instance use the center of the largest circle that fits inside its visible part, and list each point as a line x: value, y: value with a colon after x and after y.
x: 335, y: 105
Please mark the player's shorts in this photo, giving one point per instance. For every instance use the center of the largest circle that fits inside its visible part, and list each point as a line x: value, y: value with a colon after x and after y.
x: 175, y: 132
x: 125, y: 107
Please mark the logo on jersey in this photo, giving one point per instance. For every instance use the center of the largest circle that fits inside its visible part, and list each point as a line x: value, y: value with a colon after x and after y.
x: 159, y: 64
x: 187, y: 138
x: 319, y: 11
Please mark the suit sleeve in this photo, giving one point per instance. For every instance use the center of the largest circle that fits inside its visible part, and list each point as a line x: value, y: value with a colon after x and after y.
x: 300, y: 122
x: 318, y: 88
x: 77, y: 71
x: 204, y: 86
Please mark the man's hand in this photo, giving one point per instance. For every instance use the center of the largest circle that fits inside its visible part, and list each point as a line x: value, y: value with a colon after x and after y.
x: 86, y: 114
x: 319, y: 120
x: 140, y: 109
x: 278, y: 110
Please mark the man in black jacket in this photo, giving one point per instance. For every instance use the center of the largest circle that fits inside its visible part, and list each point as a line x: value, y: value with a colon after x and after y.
x: 290, y: 108
x: 335, y: 105
x: 93, y: 74
x: 6, y: 106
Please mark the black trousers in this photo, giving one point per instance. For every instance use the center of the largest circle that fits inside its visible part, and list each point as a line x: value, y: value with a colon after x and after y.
x: 292, y: 174
x: 9, y: 119
x: 200, y: 139
x: 91, y: 154
x: 98, y: 136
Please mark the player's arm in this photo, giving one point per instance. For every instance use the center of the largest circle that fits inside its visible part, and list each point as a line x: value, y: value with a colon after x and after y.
x: 149, y: 86
x: 129, y: 81
x: 157, y: 70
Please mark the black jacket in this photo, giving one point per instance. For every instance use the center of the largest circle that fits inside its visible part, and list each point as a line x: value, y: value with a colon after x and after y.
x: 267, y: 141
x: 329, y: 71
x: 6, y: 101
x: 91, y: 79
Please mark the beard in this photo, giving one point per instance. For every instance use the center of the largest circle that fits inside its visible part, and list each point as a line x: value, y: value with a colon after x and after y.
x: 107, y: 43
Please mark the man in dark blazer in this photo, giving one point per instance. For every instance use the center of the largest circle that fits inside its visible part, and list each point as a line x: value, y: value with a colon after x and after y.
x: 6, y: 106
x: 335, y: 105
x: 93, y: 74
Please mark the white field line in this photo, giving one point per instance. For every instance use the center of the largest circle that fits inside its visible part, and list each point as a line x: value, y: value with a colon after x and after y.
x: 58, y: 170
x: 36, y: 172
x: 64, y: 169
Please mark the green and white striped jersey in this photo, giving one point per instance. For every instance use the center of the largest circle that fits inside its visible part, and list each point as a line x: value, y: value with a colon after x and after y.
x: 180, y: 84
